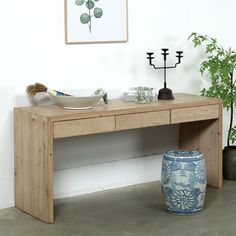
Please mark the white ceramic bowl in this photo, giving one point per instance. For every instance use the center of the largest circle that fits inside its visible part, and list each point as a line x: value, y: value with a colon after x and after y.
x: 80, y: 99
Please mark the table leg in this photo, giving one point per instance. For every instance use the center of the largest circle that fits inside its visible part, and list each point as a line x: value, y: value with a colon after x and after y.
x: 33, y: 146
x: 205, y: 136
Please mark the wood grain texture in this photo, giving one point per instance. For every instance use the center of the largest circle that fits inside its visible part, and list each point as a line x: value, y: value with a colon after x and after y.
x: 33, y: 143
x: 181, y: 115
x: 205, y: 136
x: 35, y: 128
x: 120, y: 107
x: 140, y: 120
x: 72, y: 128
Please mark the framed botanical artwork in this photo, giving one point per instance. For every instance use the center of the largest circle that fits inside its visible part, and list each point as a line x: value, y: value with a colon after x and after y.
x: 96, y: 21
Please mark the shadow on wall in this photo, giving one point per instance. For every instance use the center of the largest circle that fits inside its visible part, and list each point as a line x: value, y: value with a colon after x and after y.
x: 111, y: 147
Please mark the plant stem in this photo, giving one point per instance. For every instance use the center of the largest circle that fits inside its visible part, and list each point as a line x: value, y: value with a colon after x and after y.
x: 231, y: 109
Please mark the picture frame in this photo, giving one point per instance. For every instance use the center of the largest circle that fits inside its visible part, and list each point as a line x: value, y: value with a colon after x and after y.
x: 96, y: 21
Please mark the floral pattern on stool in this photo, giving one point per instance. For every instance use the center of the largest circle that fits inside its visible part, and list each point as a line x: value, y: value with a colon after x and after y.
x: 183, y: 181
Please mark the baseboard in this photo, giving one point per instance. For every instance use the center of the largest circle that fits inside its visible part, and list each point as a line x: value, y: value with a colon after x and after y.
x: 88, y: 179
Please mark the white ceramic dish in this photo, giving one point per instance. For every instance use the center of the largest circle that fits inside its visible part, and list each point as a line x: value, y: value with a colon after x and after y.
x: 79, y: 99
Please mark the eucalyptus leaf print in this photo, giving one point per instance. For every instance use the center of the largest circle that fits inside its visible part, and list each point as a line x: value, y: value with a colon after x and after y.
x: 79, y: 2
x: 98, y: 12
x: 90, y: 4
x: 84, y: 18
x: 92, y: 11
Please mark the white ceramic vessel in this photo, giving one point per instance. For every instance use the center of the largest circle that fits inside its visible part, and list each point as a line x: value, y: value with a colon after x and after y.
x: 79, y: 99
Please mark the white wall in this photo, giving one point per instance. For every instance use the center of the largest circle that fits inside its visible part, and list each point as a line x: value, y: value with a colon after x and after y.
x: 32, y: 49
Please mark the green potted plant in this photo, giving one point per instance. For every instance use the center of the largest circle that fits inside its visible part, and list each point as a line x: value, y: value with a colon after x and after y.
x: 219, y: 66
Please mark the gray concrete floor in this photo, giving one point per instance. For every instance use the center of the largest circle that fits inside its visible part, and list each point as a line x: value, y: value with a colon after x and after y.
x: 130, y: 211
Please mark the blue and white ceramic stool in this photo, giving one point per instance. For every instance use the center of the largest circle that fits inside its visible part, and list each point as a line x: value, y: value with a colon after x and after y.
x: 183, y: 181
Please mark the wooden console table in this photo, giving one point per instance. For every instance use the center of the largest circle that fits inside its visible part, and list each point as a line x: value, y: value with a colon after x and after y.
x: 200, y: 127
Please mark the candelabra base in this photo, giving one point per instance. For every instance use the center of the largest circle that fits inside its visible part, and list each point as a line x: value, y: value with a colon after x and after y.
x: 165, y: 94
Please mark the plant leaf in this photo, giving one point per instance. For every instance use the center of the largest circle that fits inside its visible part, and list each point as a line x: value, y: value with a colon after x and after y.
x: 79, y: 2
x: 90, y: 4
x: 84, y: 18
x: 98, y: 12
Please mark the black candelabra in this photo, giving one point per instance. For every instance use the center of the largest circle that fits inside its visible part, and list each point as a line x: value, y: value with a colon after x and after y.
x: 165, y: 93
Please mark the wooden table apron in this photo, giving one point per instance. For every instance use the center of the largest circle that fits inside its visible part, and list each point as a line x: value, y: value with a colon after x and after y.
x: 35, y: 128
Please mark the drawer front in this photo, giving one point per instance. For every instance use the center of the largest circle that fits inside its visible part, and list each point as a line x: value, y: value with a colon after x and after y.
x: 71, y: 128
x: 194, y: 114
x: 140, y: 120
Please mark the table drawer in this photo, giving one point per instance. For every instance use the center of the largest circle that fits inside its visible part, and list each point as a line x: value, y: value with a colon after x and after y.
x: 194, y: 114
x: 83, y: 127
x: 140, y: 120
